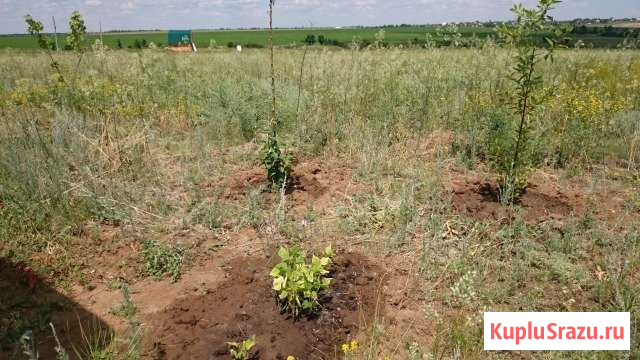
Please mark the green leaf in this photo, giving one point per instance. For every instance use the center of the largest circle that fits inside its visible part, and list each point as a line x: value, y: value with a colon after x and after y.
x: 278, y: 283
x: 283, y: 253
x: 307, y: 304
x: 275, y: 271
x: 328, y: 252
x: 325, y: 261
x: 249, y: 343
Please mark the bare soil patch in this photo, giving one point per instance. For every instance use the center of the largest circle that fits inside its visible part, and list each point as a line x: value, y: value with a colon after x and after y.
x: 479, y: 199
x: 312, y: 183
x: 198, y: 327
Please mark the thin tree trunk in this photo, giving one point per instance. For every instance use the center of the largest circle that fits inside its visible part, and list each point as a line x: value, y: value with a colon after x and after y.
x: 55, y: 33
x: 304, y: 56
x: 523, y: 119
x: 274, y: 121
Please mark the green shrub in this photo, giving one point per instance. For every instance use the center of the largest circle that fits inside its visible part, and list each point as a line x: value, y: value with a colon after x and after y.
x: 299, y: 284
x: 310, y: 39
x: 278, y: 165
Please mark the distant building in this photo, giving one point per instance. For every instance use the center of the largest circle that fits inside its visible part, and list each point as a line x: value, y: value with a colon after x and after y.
x: 181, y: 40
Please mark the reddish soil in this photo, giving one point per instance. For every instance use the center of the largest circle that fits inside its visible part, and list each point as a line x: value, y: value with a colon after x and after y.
x: 102, y: 258
x: 181, y: 48
x: 198, y: 327
x: 313, y: 183
x: 479, y: 199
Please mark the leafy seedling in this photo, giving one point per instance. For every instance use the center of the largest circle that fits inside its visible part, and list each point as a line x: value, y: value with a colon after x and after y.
x: 298, y: 284
x: 528, y: 94
x: 242, y: 351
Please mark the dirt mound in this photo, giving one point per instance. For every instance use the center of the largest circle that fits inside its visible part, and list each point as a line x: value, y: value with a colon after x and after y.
x: 242, y: 181
x: 198, y: 327
x: 479, y: 199
x: 312, y: 183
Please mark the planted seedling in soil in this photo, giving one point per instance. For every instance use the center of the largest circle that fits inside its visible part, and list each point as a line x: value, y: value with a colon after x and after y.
x: 242, y: 351
x: 298, y: 284
x: 529, y: 93
x: 277, y: 163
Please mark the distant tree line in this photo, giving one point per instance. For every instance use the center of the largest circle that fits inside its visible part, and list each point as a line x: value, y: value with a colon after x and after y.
x: 608, y: 31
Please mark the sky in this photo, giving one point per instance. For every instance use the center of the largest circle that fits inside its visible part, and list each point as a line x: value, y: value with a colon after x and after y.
x: 210, y: 14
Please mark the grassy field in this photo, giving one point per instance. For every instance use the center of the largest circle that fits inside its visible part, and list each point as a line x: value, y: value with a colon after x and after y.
x: 393, y: 35
x: 132, y: 193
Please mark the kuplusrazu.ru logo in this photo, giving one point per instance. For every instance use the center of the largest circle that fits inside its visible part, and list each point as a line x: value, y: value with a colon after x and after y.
x: 557, y: 331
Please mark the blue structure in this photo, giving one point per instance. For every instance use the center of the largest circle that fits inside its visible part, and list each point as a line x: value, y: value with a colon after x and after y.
x: 180, y: 37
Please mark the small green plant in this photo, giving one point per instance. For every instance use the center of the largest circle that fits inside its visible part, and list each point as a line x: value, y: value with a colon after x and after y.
x: 160, y: 259
x: 278, y: 165
x: 242, y: 351
x: 529, y: 92
x: 298, y: 285
x: 78, y: 31
x: 75, y: 39
x: 97, y: 342
x: 35, y: 29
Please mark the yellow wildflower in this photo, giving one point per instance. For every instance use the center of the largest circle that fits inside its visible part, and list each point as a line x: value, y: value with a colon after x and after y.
x: 354, y: 345
x: 345, y: 348
x: 290, y: 357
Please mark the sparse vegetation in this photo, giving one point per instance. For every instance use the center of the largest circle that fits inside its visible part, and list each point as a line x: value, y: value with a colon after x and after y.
x: 161, y: 259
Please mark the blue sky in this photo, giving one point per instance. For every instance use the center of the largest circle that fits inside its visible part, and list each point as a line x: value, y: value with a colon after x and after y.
x: 195, y: 14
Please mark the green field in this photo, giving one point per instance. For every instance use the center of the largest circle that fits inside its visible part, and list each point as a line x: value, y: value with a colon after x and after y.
x: 393, y: 35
